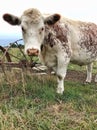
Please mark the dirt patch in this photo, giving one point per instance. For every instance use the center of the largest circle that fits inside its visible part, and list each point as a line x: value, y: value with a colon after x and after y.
x: 77, y: 76
x: 73, y: 75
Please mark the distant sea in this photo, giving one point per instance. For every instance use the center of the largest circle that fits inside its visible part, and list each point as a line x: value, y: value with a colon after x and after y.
x: 5, y: 40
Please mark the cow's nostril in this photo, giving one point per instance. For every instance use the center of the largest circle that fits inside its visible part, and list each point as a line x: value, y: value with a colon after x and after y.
x: 28, y: 51
x: 37, y: 51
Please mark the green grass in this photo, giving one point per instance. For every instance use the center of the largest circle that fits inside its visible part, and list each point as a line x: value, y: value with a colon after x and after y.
x: 35, y: 105
x: 30, y: 102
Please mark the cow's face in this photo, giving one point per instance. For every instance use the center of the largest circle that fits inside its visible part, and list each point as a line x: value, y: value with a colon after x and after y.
x: 33, y: 28
x: 32, y: 25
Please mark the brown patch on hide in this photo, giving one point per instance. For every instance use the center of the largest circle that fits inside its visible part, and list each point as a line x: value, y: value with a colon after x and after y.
x: 61, y: 32
x: 56, y: 33
x: 88, y: 38
x: 51, y: 40
x: 50, y: 37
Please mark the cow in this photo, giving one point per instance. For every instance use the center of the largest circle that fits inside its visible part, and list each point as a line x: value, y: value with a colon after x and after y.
x: 57, y: 41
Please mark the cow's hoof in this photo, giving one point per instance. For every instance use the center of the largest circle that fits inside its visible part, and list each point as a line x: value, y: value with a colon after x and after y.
x: 86, y: 82
x: 60, y: 90
x: 95, y: 80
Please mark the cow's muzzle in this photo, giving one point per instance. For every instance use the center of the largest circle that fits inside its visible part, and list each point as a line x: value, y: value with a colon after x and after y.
x: 32, y: 52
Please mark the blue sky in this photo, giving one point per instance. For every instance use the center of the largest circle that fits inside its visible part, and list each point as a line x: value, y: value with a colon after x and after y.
x: 85, y: 10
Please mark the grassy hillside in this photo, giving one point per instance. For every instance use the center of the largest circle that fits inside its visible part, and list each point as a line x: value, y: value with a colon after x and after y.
x: 30, y: 102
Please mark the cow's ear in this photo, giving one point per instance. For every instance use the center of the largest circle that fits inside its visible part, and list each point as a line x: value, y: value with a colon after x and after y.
x: 11, y: 19
x: 52, y: 19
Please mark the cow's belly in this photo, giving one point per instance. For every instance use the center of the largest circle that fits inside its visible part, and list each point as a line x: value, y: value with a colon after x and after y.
x: 82, y: 57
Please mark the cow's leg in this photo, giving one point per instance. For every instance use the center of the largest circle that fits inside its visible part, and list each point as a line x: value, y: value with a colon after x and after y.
x: 61, y: 73
x: 89, y: 72
x: 60, y: 81
x: 96, y: 78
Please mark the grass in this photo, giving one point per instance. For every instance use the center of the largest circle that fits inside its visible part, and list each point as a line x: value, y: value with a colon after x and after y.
x: 35, y: 105
x: 31, y: 103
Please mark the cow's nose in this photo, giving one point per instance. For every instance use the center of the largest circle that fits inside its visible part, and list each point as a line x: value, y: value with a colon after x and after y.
x: 32, y: 52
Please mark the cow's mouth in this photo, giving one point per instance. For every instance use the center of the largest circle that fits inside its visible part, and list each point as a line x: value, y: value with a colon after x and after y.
x: 32, y: 52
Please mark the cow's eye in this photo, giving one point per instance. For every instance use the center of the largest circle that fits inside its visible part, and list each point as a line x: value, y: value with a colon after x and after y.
x: 23, y: 29
x: 42, y: 28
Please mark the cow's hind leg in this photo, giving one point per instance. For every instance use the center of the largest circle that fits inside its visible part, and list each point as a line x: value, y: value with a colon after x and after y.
x: 89, y: 73
x: 96, y: 78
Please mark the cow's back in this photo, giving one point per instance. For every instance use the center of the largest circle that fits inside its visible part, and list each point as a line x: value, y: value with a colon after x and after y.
x: 83, y: 38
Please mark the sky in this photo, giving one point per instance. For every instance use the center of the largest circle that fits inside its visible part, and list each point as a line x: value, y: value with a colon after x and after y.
x: 85, y: 10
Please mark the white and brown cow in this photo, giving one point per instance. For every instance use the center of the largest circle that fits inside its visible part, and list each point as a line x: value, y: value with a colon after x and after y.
x: 57, y: 41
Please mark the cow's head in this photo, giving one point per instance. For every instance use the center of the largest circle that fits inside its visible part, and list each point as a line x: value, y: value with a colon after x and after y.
x: 33, y: 28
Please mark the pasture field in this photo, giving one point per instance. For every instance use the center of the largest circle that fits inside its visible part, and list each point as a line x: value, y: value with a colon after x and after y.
x: 30, y: 102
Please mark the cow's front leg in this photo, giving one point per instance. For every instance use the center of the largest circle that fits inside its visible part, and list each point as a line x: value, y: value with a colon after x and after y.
x: 61, y: 73
x: 89, y: 73
x: 60, y: 81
